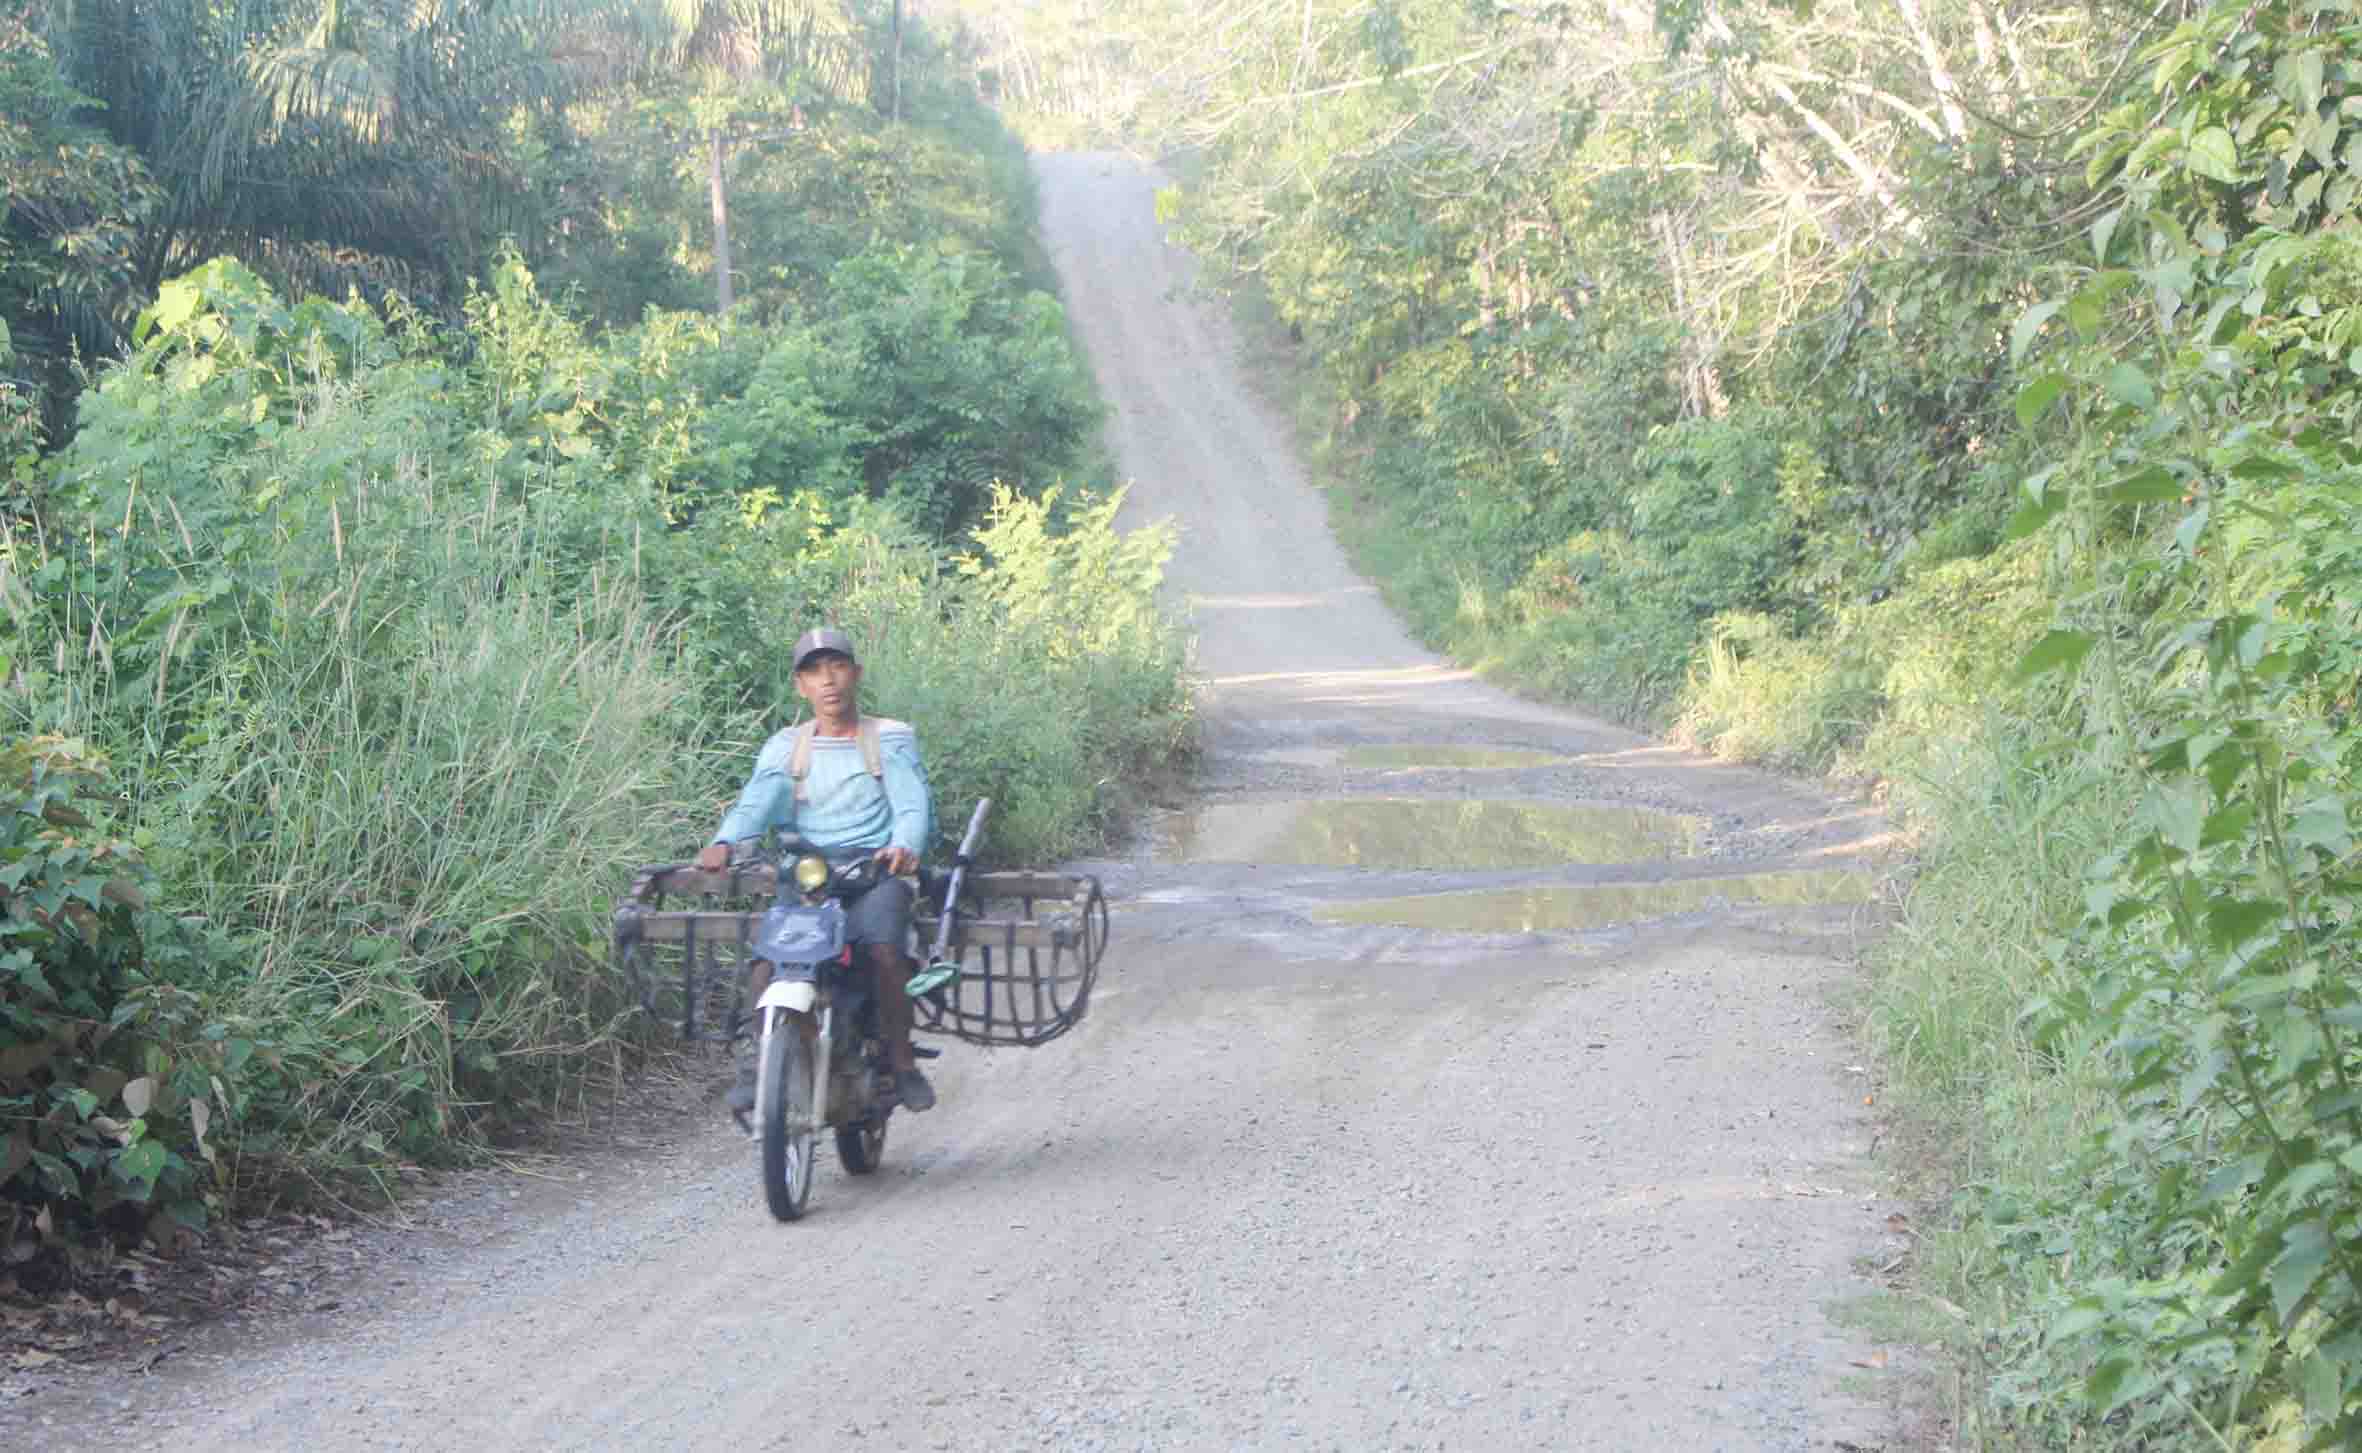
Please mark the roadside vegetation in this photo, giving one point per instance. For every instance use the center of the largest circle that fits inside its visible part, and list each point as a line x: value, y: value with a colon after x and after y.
x: 398, y: 544
x: 1954, y: 395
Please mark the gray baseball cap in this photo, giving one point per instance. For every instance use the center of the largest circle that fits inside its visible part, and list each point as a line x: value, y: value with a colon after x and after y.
x: 823, y: 638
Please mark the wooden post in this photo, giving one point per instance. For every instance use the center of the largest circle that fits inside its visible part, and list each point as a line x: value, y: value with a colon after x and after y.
x: 897, y: 60
x: 721, y: 228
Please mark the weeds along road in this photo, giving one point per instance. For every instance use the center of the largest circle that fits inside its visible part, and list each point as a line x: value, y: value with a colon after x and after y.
x: 1464, y: 1076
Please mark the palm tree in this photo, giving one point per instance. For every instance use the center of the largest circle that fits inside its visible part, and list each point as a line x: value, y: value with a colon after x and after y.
x: 340, y: 143
x: 355, y: 128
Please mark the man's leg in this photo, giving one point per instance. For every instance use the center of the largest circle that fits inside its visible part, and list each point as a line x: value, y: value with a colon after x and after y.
x: 741, y: 1099
x: 895, y: 1017
x: 880, y: 923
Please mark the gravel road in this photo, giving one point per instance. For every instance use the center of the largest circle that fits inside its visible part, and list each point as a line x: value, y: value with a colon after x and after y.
x: 1307, y: 1178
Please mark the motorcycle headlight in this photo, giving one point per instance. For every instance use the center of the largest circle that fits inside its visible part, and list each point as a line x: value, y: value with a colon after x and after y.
x: 811, y: 874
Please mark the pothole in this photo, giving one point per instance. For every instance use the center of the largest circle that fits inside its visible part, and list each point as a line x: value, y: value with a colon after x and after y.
x: 1401, y: 758
x: 1393, y: 832
x: 1571, y: 909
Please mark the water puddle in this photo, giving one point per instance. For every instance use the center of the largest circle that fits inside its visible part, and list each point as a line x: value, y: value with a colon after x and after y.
x: 1400, y: 758
x: 1561, y: 908
x: 1386, y: 832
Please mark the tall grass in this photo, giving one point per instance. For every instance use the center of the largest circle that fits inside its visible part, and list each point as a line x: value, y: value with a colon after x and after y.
x: 393, y: 776
x: 393, y: 795
x: 2009, y: 822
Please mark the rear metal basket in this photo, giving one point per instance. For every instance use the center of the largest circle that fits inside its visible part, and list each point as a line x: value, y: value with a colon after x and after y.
x: 1027, y: 946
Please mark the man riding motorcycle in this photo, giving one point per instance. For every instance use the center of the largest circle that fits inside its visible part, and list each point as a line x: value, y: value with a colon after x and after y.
x: 846, y: 784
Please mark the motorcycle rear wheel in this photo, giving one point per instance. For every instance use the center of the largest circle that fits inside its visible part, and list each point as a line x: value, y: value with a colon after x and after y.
x: 861, y: 1146
x: 783, y: 1115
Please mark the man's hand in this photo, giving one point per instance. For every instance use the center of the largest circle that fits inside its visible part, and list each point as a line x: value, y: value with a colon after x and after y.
x: 714, y: 858
x: 898, y: 860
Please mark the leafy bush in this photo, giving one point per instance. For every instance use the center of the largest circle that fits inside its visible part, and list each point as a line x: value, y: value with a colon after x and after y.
x: 950, y: 381
x: 1761, y: 695
x: 1706, y: 512
x: 1592, y: 623
x: 107, y: 1094
x: 2202, y: 493
x: 409, y: 653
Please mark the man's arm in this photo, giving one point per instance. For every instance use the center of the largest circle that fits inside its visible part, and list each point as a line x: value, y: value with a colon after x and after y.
x: 906, y: 792
x: 758, y: 806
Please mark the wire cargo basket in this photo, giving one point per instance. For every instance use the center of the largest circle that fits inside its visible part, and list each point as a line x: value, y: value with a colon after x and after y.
x: 1026, y: 947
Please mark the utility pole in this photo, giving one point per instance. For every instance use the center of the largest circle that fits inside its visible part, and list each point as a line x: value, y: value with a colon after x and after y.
x: 717, y: 166
x: 721, y: 224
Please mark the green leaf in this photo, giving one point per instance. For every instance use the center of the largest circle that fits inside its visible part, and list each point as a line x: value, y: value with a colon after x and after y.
x: 2228, y: 825
x: 2085, y: 1315
x: 2055, y: 650
x: 2117, y: 1381
x: 2185, y: 534
x: 2300, y: 1265
x: 2322, y: 824
x: 2022, y: 333
x: 2175, y: 810
x: 2323, y: 1381
x: 2103, y: 232
x: 2233, y: 922
x: 142, y: 1163
x: 2127, y: 385
x: 2028, y: 518
x: 2085, y: 313
x: 2039, y: 395
x: 2308, y: 78
x: 2213, y: 155
x: 2144, y: 487
x: 176, y: 302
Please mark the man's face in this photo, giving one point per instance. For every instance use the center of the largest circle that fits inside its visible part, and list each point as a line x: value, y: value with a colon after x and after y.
x: 828, y: 680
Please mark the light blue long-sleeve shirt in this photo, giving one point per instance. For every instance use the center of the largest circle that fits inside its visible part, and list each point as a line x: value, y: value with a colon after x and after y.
x: 844, y: 808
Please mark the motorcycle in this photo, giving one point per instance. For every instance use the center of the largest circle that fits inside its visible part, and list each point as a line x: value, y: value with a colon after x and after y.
x: 820, y: 1055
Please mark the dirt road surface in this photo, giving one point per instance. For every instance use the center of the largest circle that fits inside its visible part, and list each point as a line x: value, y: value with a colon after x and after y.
x: 1583, y: 1168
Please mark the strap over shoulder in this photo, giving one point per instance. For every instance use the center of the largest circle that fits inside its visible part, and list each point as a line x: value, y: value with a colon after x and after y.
x: 873, y: 752
x: 873, y: 755
x: 799, y: 757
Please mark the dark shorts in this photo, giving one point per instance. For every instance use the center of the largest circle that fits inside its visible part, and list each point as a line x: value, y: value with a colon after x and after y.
x: 882, y: 915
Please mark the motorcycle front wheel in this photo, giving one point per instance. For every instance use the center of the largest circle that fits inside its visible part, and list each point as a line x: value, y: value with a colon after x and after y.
x: 783, y: 1114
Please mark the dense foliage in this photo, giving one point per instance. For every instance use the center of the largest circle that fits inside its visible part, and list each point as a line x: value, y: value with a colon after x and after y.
x: 359, y: 647
x: 1791, y: 375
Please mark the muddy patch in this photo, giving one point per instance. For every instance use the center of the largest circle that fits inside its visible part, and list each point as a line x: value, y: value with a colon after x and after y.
x: 1393, y: 832
x: 1564, y: 908
x: 1402, y: 758
x: 1300, y: 756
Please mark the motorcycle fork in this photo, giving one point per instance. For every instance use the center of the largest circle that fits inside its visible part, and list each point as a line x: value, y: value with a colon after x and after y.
x: 820, y: 1050
x: 826, y: 1046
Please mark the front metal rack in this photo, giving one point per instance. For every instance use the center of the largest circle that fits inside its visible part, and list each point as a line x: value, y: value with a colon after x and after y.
x: 1027, y: 948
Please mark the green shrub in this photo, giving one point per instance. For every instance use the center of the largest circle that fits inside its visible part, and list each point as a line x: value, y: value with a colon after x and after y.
x: 408, y: 656
x: 1760, y: 695
x: 1706, y: 512
x: 1592, y: 622
x: 108, y: 1087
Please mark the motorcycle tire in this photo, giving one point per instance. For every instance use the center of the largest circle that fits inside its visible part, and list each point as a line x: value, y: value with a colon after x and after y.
x: 783, y: 1115
x: 861, y: 1146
